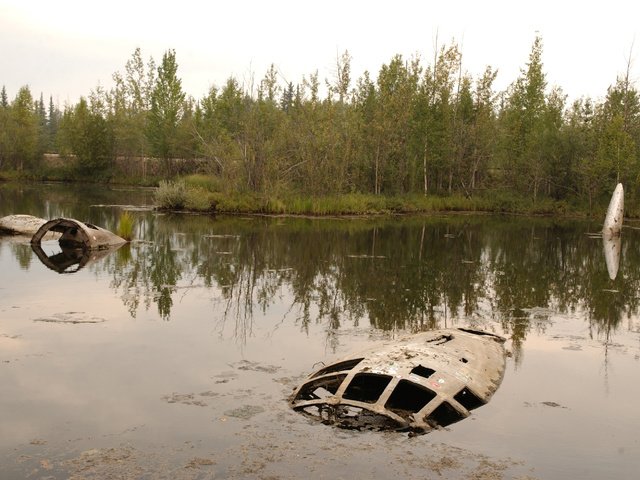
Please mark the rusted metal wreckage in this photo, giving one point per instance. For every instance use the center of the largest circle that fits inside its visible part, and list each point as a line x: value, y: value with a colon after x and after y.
x: 75, y: 233
x: 81, y: 243
x: 612, y: 230
x: 70, y: 232
x: 20, y: 224
x: 418, y: 383
x: 615, y: 213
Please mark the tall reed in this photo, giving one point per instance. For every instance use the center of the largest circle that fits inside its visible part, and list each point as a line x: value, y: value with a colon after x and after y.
x: 125, y: 226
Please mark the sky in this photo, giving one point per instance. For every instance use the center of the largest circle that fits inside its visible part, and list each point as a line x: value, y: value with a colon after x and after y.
x: 66, y: 48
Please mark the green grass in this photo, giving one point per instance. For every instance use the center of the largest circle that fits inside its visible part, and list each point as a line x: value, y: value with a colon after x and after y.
x: 125, y: 226
x: 196, y: 195
x: 9, y: 175
x: 205, y: 182
x: 198, y: 199
x: 202, y: 193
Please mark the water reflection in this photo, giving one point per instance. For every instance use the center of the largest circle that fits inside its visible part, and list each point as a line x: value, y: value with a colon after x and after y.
x: 408, y: 274
x: 612, y: 245
x: 411, y: 275
x: 68, y: 259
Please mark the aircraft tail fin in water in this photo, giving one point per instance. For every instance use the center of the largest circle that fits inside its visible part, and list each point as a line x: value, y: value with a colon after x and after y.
x: 615, y: 213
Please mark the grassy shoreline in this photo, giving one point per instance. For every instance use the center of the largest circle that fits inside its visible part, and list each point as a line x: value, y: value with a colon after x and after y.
x: 196, y: 193
x: 199, y: 193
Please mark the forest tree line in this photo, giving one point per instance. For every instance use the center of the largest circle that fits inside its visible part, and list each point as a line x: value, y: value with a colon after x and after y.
x: 414, y: 128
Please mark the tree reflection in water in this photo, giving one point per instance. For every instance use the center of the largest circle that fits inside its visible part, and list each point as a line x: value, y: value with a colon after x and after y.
x: 406, y: 274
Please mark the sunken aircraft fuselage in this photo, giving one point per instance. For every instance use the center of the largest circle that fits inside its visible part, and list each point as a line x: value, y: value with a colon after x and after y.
x: 415, y: 384
x: 74, y: 233
x: 80, y: 243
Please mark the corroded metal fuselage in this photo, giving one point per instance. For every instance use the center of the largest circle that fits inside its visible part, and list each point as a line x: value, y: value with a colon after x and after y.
x: 75, y: 233
x: 417, y: 383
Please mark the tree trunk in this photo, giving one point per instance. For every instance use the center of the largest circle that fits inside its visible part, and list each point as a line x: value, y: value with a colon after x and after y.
x: 424, y: 169
x: 377, y: 167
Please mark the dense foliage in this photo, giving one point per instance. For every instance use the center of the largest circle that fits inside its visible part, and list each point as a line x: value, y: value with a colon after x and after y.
x: 413, y: 129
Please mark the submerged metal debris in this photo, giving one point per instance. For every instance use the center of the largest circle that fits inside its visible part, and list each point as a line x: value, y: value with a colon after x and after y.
x: 70, y: 259
x: 78, y: 234
x: 415, y: 384
x: 615, y: 213
x: 20, y: 224
x: 81, y: 243
x: 612, y: 246
x: 611, y: 231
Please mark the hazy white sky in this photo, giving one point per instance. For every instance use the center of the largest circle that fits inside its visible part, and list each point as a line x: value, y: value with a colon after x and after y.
x: 65, y: 48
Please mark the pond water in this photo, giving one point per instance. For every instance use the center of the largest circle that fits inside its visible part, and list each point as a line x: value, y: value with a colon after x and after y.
x: 173, y: 356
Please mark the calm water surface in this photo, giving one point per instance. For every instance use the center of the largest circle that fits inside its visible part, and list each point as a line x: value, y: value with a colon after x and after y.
x: 173, y: 356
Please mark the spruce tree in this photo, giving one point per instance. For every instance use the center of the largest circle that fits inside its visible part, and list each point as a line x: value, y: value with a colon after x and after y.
x: 4, y: 101
x: 167, y: 101
x: 52, y: 124
x: 4, y: 127
x: 523, y: 125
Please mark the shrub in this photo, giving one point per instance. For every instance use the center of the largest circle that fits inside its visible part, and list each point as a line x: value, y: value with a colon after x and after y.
x: 171, y: 195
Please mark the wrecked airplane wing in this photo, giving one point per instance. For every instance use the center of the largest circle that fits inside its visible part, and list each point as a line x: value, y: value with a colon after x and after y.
x: 20, y: 224
x: 418, y: 383
x: 78, y: 234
